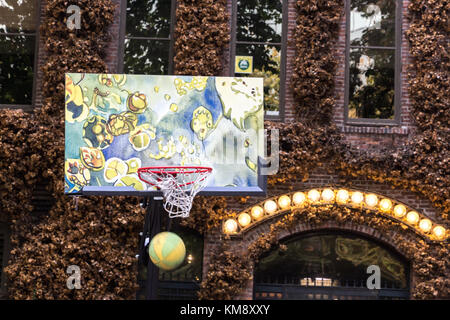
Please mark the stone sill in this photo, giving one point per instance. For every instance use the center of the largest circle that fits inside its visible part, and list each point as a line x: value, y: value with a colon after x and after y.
x: 387, y: 129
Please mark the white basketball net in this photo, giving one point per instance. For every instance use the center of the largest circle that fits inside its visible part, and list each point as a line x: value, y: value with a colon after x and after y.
x: 178, y: 185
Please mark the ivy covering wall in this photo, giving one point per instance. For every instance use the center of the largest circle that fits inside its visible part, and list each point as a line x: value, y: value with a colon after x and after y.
x: 313, y: 140
x: 100, y: 234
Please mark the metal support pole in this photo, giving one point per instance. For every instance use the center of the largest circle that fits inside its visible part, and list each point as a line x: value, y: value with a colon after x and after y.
x: 152, y: 226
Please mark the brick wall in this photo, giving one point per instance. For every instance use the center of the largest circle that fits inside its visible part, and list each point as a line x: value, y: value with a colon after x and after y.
x: 113, y: 51
x: 359, y: 136
x: 320, y: 177
x: 42, y: 56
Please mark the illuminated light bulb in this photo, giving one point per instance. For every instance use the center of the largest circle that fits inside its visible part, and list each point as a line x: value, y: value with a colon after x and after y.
x: 425, y: 225
x: 385, y: 205
x: 342, y: 196
x: 244, y: 219
x: 357, y: 197
x: 298, y: 198
x: 270, y: 206
x: 230, y: 226
x: 190, y: 258
x: 371, y: 200
x: 412, y: 217
x: 439, y: 232
x: 399, y: 211
x: 257, y: 212
x: 284, y: 202
x: 313, y: 195
x: 327, y: 195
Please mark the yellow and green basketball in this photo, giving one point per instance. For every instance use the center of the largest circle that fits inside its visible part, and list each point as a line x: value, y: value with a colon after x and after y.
x: 167, y: 250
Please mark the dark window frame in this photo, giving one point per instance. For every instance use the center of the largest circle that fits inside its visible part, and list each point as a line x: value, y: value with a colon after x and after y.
x: 397, y: 72
x: 123, y: 37
x: 283, y: 44
x: 4, y: 230
x: 36, y: 34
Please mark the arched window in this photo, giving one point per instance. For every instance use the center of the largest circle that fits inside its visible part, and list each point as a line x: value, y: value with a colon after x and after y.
x: 330, y: 266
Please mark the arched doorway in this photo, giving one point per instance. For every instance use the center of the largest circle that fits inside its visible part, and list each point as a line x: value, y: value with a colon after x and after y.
x: 330, y: 266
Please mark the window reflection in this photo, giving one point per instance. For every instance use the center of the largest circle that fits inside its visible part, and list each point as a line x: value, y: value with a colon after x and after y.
x: 372, y: 23
x: 148, y: 18
x: 146, y: 56
x: 266, y: 64
x: 259, y: 35
x: 259, y: 20
x: 372, y: 74
x: 147, y: 39
x: 18, y: 16
x: 371, y: 60
x: 17, y: 51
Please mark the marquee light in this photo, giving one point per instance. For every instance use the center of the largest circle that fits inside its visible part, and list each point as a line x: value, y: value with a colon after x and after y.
x: 399, y: 211
x: 357, y: 197
x: 299, y: 198
x: 284, y: 202
x: 257, y: 212
x: 327, y: 195
x: 385, y: 205
x: 439, y: 232
x: 244, y: 219
x: 342, y: 196
x: 371, y: 200
x: 270, y: 206
x: 425, y: 225
x: 350, y: 198
x: 230, y: 226
x: 412, y: 217
x: 313, y: 195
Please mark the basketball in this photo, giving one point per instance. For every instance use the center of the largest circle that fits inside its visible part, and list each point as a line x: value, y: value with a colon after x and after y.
x: 167, y: 250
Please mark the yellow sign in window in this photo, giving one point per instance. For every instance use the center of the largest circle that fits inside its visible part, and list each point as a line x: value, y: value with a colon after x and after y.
x: 244, y: 64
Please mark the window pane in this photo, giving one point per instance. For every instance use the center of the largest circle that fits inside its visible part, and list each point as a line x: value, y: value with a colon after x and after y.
x: 146, y: 57
x: 18, y: 16
x: 16, y: 69
x: 266, y: 64
x: 148, y: 18
x: 259, y: 20
x: 372, y: 23
x: 372, y: 75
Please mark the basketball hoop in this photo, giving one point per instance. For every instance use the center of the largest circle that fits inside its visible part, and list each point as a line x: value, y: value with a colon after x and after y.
x: 179, y: 186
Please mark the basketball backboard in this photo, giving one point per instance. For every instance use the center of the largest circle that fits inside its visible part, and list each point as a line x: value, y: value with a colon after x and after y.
x: 116, y: 124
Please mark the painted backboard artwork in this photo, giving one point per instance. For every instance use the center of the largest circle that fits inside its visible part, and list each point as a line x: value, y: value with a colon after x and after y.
x: 117, y: 123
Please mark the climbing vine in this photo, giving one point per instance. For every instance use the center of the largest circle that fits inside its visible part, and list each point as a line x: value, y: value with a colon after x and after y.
x: 314, y: 141
x: 98, y: 235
